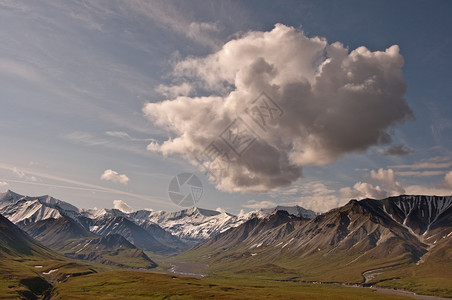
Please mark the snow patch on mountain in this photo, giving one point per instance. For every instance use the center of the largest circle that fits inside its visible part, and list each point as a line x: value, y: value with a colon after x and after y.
x: 8, y: 197
x: 297, y: 211
x: 18, y: 208
x: 190, y: 225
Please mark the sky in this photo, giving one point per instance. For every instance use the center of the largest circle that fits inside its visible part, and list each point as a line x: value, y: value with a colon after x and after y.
x: 310, y: 103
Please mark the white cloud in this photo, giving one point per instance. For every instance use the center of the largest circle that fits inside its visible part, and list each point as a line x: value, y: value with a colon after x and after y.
x: 448, y: 178
x: 153, y: 146
x: 3, y: 183
x: 202, y: 32
x: 334, y: 103
x: 259, y: 204
x: 388, y: 180
x: 425, y: 190
x: 447, y: 182
x: 114, y: 176
x: 122, y: 206
x: 389, y: 186
x: 183, y: 89
x: 364, y: 190
x: 318, y: 197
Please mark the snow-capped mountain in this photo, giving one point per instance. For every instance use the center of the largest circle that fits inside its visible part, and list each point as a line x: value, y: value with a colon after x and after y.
x: 152, y: 238
x: 52, y: 231
x: 113, y: 249
x: 8, y: 197
x: 296, y: 211
x: 423, y: 215
x: 188, y: 226
x: 52, y: 216
x: 196, y: 224
x: 25, y: 209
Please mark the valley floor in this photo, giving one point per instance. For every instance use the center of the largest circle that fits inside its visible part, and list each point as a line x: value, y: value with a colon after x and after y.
x: 145, y: 285
x: 406, y: 293
x: 71, y: 280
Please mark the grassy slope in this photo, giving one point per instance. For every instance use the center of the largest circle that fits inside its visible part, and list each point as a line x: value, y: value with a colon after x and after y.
x: 123, y: 257
x: 143, y: 285
x: 20, y: 276
x: 433, y: 277
x: 112, y: 283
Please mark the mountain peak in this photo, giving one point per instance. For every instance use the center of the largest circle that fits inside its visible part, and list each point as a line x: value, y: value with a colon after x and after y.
x: 196, y: 211
x: 221, y: 210
x: 10, y: 196
x: 296, y: 210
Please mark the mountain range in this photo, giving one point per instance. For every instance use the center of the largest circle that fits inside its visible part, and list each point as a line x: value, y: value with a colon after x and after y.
x: 53, y: 221
x: 353, y: 243
x: 363, y: 242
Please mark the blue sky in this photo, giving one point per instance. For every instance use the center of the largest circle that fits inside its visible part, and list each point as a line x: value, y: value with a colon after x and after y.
x: 84, y: 84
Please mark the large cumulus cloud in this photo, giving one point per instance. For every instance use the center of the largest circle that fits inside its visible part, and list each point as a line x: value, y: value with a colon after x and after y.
x: 334, y: 101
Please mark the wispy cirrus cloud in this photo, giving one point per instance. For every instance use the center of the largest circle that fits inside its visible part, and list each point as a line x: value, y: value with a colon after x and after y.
x: 89, y: 139
x: 125, y: 136
x: 396, y: 150
x: 166, y: 15
x: 39, y: 56
x: 21, y: 174
x: 419, y: 173
x: 424, y: 165
x: 20, y: 70
x: 259, y: 204
x: 75, y: 184
x: 438, y: 162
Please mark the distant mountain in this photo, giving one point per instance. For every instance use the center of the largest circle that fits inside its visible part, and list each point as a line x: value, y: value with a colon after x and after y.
x: 52, y: 221
x: 297, y: 211
x: 190, y: 225
x: 135, y: 234
x: 342, y: 243
x: 24, y: 209
x: 16, y: 243
x: 53, y: 231
x: 113, y: 249
x: 164, y: 232
x: 28, y: 267
x: 194, y: 225
x: 9, y: 197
